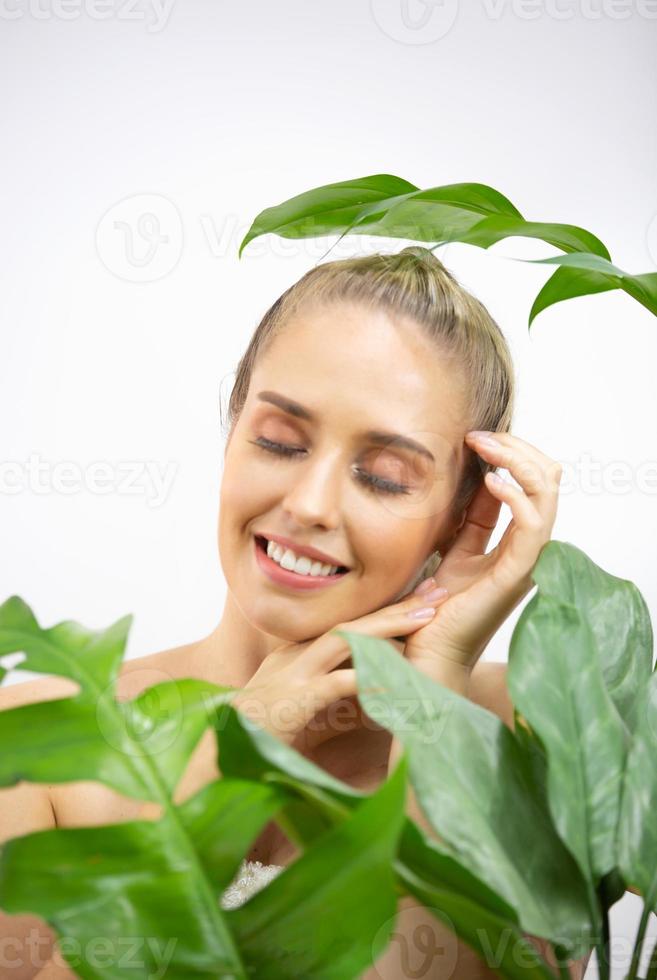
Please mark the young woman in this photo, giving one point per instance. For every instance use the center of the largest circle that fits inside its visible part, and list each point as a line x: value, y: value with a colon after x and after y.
x: 353, y: 470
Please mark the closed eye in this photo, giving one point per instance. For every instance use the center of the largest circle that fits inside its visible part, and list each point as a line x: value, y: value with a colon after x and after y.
x: 374, y: 483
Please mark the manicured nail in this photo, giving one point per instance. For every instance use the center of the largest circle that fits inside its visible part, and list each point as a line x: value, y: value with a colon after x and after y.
x: 425, y: 613
x: 434, y: 594
x: 423, y: 586
x: 484, y: 437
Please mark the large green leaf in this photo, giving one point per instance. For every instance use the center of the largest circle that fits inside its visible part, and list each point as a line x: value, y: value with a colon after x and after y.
x: 287, y: 929
x: 472, y: 213
x: 90, y: 657
x: 555, y: 679
x: 121, y: 895
x: 423, y: 867
x: 476, y: 788
x: 222, y: 820
x: 637, y: 831
x: 616, y: 613
x: 327, y: 209
x: 91, y: 735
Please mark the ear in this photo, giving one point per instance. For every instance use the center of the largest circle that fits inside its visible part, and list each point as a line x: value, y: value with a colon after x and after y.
x: 449, y: 537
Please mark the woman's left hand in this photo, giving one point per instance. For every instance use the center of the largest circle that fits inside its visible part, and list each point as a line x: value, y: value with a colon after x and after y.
x: 483, y: 589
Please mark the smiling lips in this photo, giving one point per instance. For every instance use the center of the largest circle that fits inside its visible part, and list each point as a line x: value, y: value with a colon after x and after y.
x: 286, y: 577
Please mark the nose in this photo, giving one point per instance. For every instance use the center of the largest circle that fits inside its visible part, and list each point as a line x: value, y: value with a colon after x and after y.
x: 313, y: 497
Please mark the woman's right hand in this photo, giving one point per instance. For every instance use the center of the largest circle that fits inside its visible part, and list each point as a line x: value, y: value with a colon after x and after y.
x: 296, y: 681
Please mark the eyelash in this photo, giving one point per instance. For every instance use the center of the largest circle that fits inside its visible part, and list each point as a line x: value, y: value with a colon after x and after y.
x: 374, y: 483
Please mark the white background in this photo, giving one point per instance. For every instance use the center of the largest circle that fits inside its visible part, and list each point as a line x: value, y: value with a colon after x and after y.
x: 203, y: 114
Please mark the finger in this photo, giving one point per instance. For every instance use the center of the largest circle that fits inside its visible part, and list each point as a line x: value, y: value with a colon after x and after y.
x: 399, y: 619
x: 537, y: 474
x: 526, y: 534
x: 331, y: 694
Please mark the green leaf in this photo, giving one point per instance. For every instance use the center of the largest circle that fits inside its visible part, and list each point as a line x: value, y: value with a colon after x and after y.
x: 555, y: 679
x: 591, y: 274
x: 91, y: 735
x: 616, y: 613
x: 249, y: 751
x: 568, y: 283
x: 223, y: 818
x: 288, y: 930
x: 637, y: 832
x: 420, y: 863
x: 124, y: 896
x: 475, y: 787
x: 570, y: 238
x: 324, y: 210
x: 90, y: 657
x: 472, y: 213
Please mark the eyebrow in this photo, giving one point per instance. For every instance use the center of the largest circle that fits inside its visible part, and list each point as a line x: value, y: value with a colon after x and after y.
x: 373, y: 435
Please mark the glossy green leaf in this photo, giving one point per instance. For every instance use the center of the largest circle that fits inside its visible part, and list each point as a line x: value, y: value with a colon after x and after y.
x: 91, y: 735
x: 90, y: 657
x: 472, y: 213
x: 287, y: 929
x: 484, y: 809
x: 615, y: 611
x: 222, y: 820
x: 592, y: 274
x: 555, y: 679
x: 126, y: 897
x: 247, y: 748
x: 423, y: 867
x: 324, y: 210
x: 637, y: 832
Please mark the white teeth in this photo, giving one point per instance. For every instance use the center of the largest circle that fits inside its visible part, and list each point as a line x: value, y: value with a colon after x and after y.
x: 300, y: 564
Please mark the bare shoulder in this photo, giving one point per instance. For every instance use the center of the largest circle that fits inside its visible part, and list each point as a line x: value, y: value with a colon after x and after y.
x: 488, y: 688
x: 134, y: 676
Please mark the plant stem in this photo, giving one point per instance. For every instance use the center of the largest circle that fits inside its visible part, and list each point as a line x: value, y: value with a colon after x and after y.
x: 652, y: 968
x: 638, y: 944
x: 142, y: 763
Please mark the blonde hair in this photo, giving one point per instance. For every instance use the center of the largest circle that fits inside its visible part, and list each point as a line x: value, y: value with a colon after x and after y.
x: 413, y: 284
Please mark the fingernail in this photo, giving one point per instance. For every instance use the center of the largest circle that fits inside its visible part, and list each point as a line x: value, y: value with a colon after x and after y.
x: 425, y: 613
x: 484, y: 437
x: 423, y: 586
x: 434, y: 594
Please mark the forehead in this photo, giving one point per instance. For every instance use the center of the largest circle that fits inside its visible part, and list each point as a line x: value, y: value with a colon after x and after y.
x: 356, y: 368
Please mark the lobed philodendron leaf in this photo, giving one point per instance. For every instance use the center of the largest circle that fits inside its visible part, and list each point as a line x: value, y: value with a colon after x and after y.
x: 137, y: 747
x: 616, y: 613
x: 129, y: 899
x: 472, y: 213
x: 89, y: 657
x: 555, y: 679
x: 637, y: 831
x: 476, y: 788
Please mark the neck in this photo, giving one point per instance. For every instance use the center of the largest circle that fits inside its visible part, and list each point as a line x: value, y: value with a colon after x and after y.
x: 233, y: 651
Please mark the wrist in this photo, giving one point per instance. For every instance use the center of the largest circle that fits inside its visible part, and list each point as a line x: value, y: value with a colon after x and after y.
x: 450, y: 673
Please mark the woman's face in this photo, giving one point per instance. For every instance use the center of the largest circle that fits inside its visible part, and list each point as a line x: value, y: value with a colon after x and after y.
x: 357, y: 386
